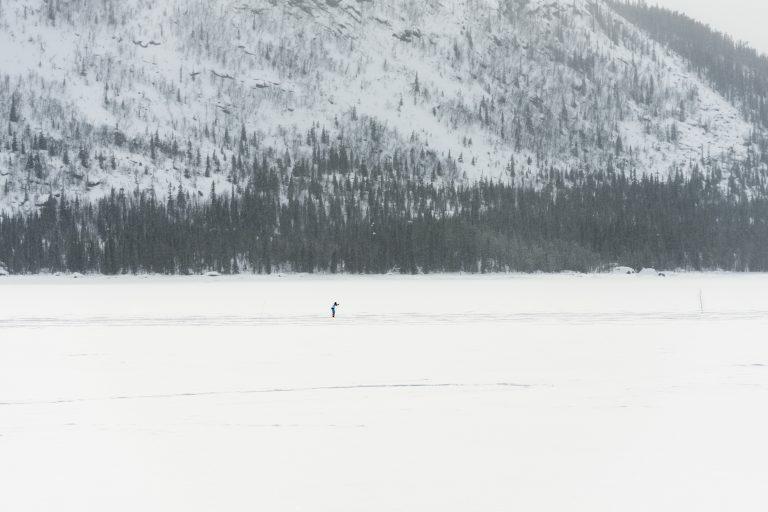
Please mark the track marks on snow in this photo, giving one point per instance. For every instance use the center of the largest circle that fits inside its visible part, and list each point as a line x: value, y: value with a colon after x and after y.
x: 404, y: 318
x: 352, y: 387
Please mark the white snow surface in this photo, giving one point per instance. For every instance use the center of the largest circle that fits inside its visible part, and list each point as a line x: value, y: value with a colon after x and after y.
x: 451, y: 393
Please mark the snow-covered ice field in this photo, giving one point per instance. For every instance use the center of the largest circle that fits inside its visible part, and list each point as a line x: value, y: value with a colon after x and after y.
x: 434, y: 393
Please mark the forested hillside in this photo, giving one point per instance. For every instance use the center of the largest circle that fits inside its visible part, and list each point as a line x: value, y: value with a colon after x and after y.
x: 385, y: 220
x: 137, y: 95
x: 734, y: 69
x: 392, y: 135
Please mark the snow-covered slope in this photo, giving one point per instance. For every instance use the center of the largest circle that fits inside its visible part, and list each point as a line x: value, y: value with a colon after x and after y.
x: 186, y: 93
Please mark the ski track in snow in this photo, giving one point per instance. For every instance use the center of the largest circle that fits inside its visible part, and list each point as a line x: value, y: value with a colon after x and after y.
x: 271, y: 390
x: 548, y: 318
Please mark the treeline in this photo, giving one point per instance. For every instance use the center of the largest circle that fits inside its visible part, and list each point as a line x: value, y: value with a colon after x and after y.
x: 380, y: 222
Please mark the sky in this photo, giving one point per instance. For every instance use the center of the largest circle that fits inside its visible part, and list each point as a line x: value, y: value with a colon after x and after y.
x: 745, y: 20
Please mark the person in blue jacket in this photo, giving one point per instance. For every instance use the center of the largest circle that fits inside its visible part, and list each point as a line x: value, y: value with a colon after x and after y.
x: 333, y: 309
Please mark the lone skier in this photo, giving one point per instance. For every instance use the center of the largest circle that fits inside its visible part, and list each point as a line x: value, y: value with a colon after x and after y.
x: 333, y: 309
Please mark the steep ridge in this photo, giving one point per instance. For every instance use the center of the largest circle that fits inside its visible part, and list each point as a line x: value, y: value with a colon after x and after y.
x: 184, y: 95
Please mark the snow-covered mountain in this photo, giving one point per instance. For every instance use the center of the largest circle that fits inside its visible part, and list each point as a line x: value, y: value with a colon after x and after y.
x: 105, y: 94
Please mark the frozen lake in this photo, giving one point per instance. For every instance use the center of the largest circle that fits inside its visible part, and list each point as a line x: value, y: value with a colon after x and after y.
x: 430, y: 393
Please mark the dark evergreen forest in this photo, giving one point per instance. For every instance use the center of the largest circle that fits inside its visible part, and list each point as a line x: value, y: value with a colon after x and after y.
x: 383, y: 221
